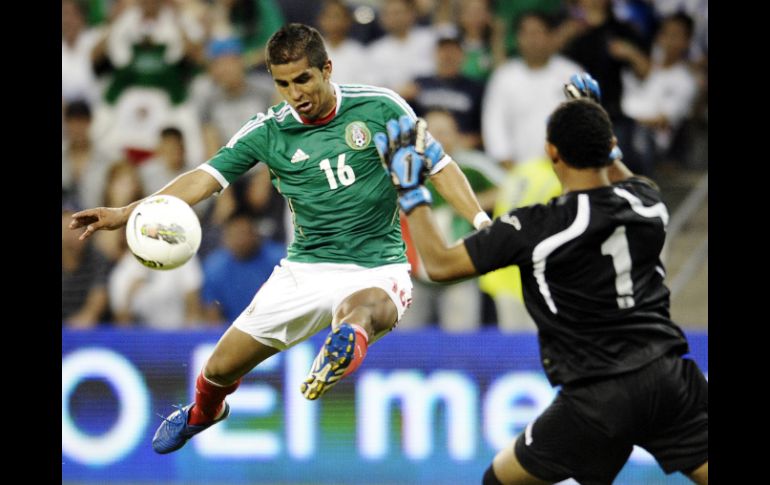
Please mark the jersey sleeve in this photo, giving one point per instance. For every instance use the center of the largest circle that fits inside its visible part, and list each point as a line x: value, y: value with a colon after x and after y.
x: 393, y: 105
x: 644, y: 186
x: 510, y: 239
x: 246, y: 147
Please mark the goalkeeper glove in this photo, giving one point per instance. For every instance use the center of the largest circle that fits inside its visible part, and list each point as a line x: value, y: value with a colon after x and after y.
x: 583, y: 86
x: 408, y: 160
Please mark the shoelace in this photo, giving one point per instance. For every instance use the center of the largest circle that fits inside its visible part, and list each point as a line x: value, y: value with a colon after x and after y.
x: 177, y: 406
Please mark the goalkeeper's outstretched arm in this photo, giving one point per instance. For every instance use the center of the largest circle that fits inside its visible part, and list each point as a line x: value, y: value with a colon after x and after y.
x: 442, y: 262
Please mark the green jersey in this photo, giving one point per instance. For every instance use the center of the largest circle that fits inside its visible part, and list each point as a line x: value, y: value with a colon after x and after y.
x: 343, y: 204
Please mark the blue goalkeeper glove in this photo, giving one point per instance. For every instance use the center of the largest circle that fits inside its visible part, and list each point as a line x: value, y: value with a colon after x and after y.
x: 405, y: 156
x: 584, y: 86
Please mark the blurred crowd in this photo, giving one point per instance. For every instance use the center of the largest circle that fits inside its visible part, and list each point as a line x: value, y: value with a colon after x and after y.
x: 153, y: 88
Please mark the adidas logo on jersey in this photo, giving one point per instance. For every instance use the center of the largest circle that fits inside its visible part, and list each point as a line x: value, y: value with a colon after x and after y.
x: 299, y: 156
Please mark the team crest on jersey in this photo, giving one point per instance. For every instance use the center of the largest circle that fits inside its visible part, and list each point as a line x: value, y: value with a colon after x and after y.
x: 357, y: 135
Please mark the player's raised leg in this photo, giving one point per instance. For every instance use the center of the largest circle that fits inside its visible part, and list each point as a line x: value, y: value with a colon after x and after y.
x: 360, y: 319
x: 235, y: 355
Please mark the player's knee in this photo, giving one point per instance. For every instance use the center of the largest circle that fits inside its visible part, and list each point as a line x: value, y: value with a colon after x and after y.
x: 490, y: 478
x: 383, y: 325
x: 216, y: 373
x: 371, y: 308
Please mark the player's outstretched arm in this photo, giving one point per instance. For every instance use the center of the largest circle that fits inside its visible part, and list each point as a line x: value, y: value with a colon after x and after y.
x: 192, y: 187
x: 449, y: 181
x: 442, y: 262
x: 618, y: 171
x: 452, y: 184
x: 401, y: 152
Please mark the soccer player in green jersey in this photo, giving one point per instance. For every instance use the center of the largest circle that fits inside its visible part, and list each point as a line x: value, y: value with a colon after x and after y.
x: 346, y: 265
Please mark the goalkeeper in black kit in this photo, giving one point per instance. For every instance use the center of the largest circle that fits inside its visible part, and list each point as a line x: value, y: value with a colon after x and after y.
x: 593, y: 283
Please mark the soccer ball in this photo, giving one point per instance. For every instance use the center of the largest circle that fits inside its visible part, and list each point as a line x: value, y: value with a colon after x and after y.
x: 163, y: 232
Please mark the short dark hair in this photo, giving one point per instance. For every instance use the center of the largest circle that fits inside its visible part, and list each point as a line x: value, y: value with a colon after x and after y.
x: 294, y: 41
x: 172, y: 131
x: 77, y: 109
x: 582, y: 132
x: 449, y: 38
x: 547, y: 20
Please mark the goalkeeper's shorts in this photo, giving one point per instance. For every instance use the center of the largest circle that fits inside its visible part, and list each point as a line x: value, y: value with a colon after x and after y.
x: 587, y: 432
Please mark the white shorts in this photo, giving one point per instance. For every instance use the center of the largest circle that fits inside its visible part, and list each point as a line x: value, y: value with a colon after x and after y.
x: 300, y: 299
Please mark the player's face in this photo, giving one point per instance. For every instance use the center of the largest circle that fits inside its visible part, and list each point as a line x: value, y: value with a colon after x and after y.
x: 673, y: 38
x: 534, y: 39
x: 307, y: 89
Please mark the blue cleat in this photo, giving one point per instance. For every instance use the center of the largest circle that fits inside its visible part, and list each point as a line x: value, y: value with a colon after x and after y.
x: 174, y: 431
x: 331, y: 362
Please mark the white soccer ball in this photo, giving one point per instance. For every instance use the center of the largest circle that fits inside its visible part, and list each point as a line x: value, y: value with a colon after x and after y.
x: 163, y: 232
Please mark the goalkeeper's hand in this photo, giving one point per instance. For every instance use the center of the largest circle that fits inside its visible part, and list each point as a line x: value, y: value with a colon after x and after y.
x: 403, y: 152
x: 584, y: 86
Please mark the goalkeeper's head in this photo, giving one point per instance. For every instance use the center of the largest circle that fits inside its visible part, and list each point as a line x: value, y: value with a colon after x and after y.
x: 579, y: 133
x: 294, y: 41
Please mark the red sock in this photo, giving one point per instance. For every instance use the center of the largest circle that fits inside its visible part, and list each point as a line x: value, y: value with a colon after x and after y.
x: 209, y: 399
x: 359, y: 352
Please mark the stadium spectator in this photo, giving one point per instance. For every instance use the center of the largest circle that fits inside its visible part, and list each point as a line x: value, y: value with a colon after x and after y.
x: 691, y: 146
x: 604, y: 46
x: 660, y: 102
x: 78, y: 80
x: 698, y: 11
x: 168, y: 162
x: 254, y: 194
x: 123, y: 184
x: 161, y: 300
x: 450, y: 90
x: 350, y: 59
x: 150, y: 44
x: 227, y: 95
x: 233, y: 273
x: 522, y: 93
x: 154, y: 51
x: 593, y: 282
x: 83, y: 278
x: 482, y: 36
x: 250, y: 21
x: 84, y: 165
x: 509, y: 15
x: 405, y: 52
x: 640, y: 14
